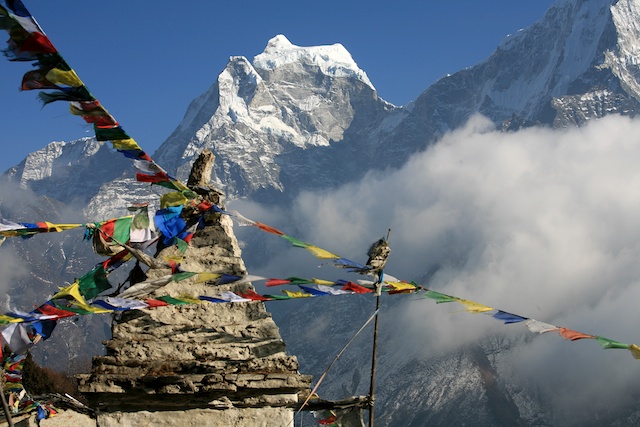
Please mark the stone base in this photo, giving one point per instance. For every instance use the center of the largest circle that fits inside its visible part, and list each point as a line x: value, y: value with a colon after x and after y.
x: 249, y: 417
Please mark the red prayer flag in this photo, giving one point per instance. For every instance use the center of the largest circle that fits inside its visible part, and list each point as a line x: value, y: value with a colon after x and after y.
x: 36, y: 79
x: 277, y: 282
x: 269, y: 229
x: 204, y: 206
x: 570, y: 335
x: 327, y: 421
x: 354, y: 287
x: 37, y: 42
x: 114, y: 260
x: 155, y: 303
x: 254, y: 296
x: 106, y: 120
x: 50, y: 310
x: 158, y: 177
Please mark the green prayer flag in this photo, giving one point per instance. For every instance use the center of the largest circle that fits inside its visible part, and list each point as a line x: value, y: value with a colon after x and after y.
x: 277, y: 296
x: 295, y: 242
x: 607, y: 343
x: 182, y: 275
x: 182, y: 245
x: 122, y: 229
x: 110, y: 134
x: 171, y: 300
x: 440, y: 298
x: 94, y: 282
x: 299, y: 280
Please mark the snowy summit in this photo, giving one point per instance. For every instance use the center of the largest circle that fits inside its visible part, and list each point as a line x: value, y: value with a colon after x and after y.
x: 333, y: 60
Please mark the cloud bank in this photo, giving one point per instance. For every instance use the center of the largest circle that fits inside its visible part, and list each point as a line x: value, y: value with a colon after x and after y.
x: 542, y: 223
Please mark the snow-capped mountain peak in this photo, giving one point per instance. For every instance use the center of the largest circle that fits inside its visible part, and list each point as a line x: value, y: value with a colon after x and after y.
x: 333, y: 60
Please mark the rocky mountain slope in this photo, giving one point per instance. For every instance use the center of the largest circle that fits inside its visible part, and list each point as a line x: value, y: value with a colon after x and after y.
x: 306, y: 118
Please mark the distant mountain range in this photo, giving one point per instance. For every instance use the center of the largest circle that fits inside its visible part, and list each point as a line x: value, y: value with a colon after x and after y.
x: 308, y: 118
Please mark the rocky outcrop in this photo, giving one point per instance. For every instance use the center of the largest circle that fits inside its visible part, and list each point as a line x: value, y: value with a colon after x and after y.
x: 202, y: 364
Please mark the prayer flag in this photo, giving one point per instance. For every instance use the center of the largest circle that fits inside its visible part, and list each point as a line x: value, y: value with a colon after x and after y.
x: 607, y: 343
x: 313, y: 290
x: 297, y: 294
x: 94, y: 282
x: 277, y: 282
x: 268, y: 229
x: 16, y: 336
x: 439, y: 298
x: 508, y: 317
x: 474, y: 307
x: 538, y: 327
x: 571, y: 335
x: 171, y: 300
x: 353, y: 287
x: 231, y: 297
x: 152, y: 303
x: 635, y: 351
x: 253, y: 295
x: 321, y: 253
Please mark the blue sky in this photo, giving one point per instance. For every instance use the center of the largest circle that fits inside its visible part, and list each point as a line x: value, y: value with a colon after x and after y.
x: 145, y: 61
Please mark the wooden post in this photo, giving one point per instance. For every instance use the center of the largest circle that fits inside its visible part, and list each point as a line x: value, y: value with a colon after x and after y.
x: 373, y: 363
x: 375, y: 347
x: 7, y: 413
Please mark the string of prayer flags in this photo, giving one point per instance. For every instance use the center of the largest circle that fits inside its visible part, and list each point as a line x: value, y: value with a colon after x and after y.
x: 25, y: 229
x: 69, y: 302
x: 28, y: 42
x: 534, y: 326
x: 317, y: 251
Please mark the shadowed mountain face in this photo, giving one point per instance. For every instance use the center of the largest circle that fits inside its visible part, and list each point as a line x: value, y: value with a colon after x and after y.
x: 308, y: 118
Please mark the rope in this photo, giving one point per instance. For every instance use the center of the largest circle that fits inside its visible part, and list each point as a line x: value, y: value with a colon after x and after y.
x: 324, y: 374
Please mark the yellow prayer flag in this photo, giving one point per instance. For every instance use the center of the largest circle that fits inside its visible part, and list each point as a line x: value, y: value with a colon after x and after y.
x: 61, y: 227
x: 401, y: 286
x: 179, y: 185
x: 73, y: 291
x: 175, y: 258
x: 190, y: 299
x: 299, y: 294
x: 321, y: 253
x: 206, y: 277
x: 69, y: 78
x: 92, y: 308
x: 5, y: 319
x: 322, y: 282
x: 173, y: 198
x: 474, y: 307
x: 635, y: 351
x: 126, y: 144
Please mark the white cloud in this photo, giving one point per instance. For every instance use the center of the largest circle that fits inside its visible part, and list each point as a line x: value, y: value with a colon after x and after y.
x: 542, y: 223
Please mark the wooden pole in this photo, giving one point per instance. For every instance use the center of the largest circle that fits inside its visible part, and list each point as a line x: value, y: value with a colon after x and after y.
x: 7, y: 414
x: 375, y: 348
x: 373, y: 364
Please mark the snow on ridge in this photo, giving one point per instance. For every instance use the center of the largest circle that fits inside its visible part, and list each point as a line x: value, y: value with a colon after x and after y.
x: 333, y: 60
